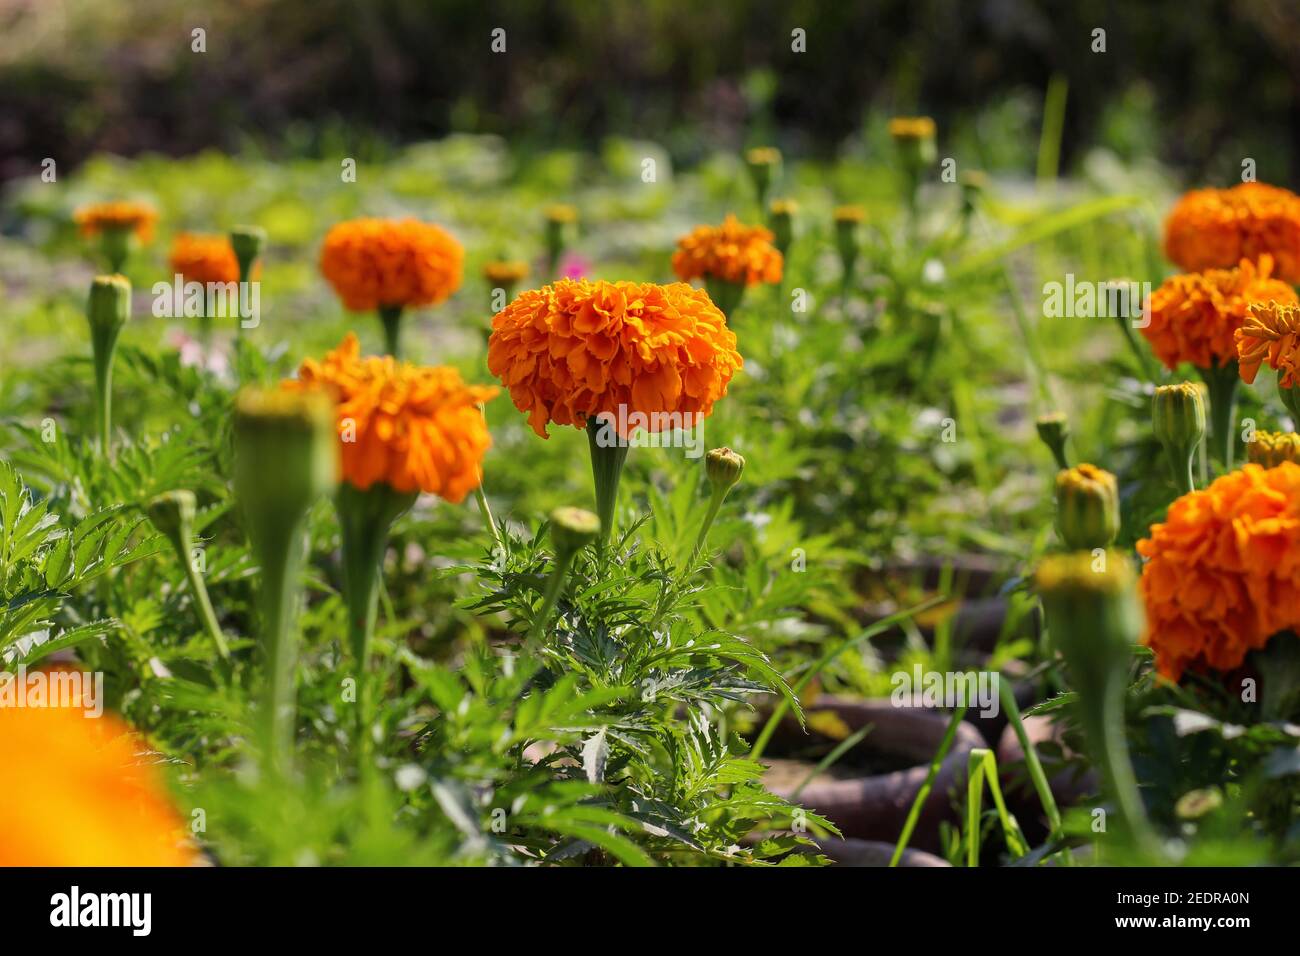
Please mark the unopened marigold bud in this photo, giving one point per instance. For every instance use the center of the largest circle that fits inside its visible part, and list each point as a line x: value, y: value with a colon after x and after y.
x: 780, y: 220
x: 914, y: 138
x: 248, y: 243
x: 1270, y: 449
x: 109, y: 305
x: 286, y: 453
x: 762, y: 162
x: 1178, y: 416
x: 1087, y: 507
x: 1054, y: 429
x: 1089, y: 603
x: 724, y: 467
x: 848, y: 219
x: 558, y: 219
x: 172, y: 513
x: 572, y: 529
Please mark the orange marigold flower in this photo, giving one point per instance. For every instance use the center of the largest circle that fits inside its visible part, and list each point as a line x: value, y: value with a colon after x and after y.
x: 204, y: 258
x: 575, y: 349
x: 75, y: 791
x: 1195, y: 317
x: 1215, y: 228
x: 1271, y: 333
x: 733, y: 252
x: 374, y: 263
x: 137, y: 217
x: 411, y: 427
x: 1223, y: 570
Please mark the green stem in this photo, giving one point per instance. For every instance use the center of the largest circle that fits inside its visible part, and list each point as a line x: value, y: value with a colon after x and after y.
x: 365, y: 519
x: 608, y: 455
x: 913, y: 815
x: 484, y: 508
x: 281, y: 555
x: 391, y: 317
x: 554, y: 585
x: 104, y: 345
x: 715, y: 503
x: 1183, y: 477
x: 1035, y: 767
x: 204, y: 604
x: 1221, y: 382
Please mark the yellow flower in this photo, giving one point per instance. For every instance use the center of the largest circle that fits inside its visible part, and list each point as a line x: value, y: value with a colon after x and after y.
x: 911, y: 127
x: 1270, y: 449
x: 505, y: 271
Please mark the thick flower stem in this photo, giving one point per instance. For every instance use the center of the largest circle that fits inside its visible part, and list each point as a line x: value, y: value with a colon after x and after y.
x: 365, y: 518
x: 1183, y: 474
x: 391, y: 317
x: 104, y: 396
x: 1221, y: 382
x: 608, y: 454
x: 281, y: 555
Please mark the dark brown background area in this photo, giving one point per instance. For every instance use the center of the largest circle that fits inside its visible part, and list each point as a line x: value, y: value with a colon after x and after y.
x: 1219, y: 79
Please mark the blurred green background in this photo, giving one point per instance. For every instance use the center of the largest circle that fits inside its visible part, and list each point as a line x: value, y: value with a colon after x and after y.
x: 1197, y: 84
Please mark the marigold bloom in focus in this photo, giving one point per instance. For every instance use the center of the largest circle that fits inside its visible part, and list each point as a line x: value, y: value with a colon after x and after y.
x: 1195, y: 317
x: 411, y: 427
x: 1223, y: 570
x: 1215, y: 228
x: 574, y: 349
x: 75, y: 792
x: 136, y: 217
x: 732, y: 252
x: 204, y: 258
x: 389, y: 263
x: 1271, y: 333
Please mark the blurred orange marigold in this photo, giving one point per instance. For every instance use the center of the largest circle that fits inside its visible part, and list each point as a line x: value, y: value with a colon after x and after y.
x: 1223, y: 570
x: 1215, y: 228
x: 411, y: 427
x: 137, y: 217
x: 733, y: 252
x: 374, y: 263
x: 575, y: 349
x: 204, y: 258
x: 1195, y: 317
x: 75, y: 791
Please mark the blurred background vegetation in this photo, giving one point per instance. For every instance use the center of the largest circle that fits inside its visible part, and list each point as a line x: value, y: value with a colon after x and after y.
x: 357, y: 77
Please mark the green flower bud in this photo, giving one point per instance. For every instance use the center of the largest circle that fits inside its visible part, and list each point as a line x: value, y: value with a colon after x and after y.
x: 1089, y: 603
x: 109, y: 305
x: 172, y: 513
x: 763, y: 163
x: 1054, y: 429
x: 572, y: 529
x: 1087, y: 507
x: 781, y: 221
x: 286, y: 454
x: 1178, y: 416
x: 248, y: 243
x: 913, y: 137
x: 1270, y: 449
x: 724, y: 467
